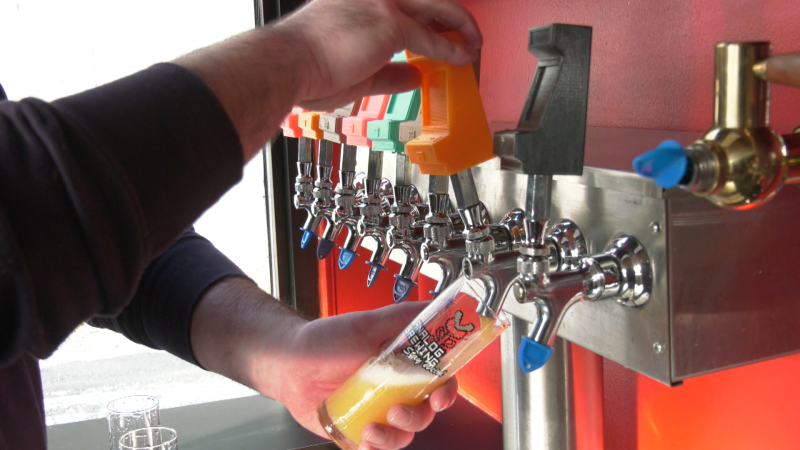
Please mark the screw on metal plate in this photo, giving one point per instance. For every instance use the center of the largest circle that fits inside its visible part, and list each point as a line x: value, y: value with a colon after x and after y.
x: 519, y: 292
x: 658, y: 347
x: 655, y: 227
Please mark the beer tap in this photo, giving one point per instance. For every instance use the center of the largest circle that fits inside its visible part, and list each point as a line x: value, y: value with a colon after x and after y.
x: 553, y: 271
x: 405, y: 230
x: 304, y: 186
x: 444, y: 242
x: 438, y: 225
x: 741, y: 162
x: 489, y: 250
x: 453, y: 137
x: 373, y: 222
x: 343, y: 215
x: 446, y: 236
x: 549, y: 140
x: 321, y: 207
x: 304, y: 182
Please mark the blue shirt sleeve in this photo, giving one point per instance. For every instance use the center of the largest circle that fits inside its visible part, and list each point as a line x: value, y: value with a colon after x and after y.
x: 160, y: 315
x: 92, y: 188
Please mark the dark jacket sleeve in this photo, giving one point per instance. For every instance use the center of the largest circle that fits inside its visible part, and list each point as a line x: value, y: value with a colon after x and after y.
x: 92, y: 188
x: 160, y: 314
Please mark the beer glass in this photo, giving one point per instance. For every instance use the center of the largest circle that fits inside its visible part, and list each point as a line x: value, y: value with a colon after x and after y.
x: 130, y: 413
x: 156, y: 438
x: 454, y: 328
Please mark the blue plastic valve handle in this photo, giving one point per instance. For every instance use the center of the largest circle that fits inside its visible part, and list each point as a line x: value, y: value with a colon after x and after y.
x: 666, y: 165
x: 532, y: 355
x: 346, y: 258
x: 402, y: 288
x: 374, y: 271
x: 307, y: 235
x: 324, y: 248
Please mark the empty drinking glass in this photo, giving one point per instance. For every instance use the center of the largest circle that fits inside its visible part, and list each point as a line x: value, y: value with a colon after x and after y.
x: 131, y: 413
x: 156, y: 438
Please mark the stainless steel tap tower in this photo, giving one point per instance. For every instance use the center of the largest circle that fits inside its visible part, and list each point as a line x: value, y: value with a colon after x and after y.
x: 538, y: 409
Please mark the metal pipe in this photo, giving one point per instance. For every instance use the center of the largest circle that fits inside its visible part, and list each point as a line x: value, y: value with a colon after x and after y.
x: 563, y: 401
x: 546, y: 396
x: 742, y: 99
x: 464, y: 189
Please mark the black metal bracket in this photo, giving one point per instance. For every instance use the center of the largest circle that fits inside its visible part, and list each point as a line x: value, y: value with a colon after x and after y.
x: 550, y: 136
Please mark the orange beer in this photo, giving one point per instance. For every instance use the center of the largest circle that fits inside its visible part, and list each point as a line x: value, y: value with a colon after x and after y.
x: 442, y: 339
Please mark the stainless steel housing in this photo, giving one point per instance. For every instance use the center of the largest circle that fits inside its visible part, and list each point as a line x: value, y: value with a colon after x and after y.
x: 722, y: 280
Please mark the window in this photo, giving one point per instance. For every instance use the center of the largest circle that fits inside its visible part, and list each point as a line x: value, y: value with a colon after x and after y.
x: 54, y: 48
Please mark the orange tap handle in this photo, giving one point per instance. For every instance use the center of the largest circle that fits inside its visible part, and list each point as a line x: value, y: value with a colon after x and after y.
x: 291, y: 126
x: 455, y: 134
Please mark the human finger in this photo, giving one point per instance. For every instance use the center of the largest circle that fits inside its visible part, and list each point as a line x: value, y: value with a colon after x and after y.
x: 411, y: 418
x: 384, y: 437
x: 449, y: 13
x: 781, y: 69
x: 391, y: 79
x: 444, y: 397
x: 424, y: 42
x: 394, y: 78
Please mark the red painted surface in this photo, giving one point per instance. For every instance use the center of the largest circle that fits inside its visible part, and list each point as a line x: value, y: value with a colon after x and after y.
x: 652, y: 61
x: 750, y: 407
x: 652, y: 68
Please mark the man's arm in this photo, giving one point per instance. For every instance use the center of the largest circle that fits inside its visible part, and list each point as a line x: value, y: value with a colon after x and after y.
x: 160, y: 314
x: 94, y: 186
x: 197, y: 304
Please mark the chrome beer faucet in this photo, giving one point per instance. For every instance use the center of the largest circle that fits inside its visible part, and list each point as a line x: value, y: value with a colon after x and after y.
x: 304, y: 187
x: 405, y: 232
x: 344, y: 215
x: 488, y: 249
x: 373, y: 222
x: 322, y: 207
x: 444, y: 242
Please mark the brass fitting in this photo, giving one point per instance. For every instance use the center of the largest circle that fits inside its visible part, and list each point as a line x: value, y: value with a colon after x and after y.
x: 741, y: 162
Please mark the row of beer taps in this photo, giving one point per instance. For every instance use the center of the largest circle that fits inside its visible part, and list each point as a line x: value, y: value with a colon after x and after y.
x: 529, y: 267
x: 519, y: 256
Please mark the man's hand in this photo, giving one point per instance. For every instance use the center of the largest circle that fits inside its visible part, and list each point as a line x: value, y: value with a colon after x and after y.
x: 326, y: 55
x: 325, y: 352
x: 351, y: 42
x: 241, y: 332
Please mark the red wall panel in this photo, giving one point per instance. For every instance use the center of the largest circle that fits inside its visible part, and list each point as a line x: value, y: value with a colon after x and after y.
x: 652, y: 61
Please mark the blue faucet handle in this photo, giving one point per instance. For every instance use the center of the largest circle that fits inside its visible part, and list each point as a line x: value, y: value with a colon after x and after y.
x: 402, y: 288
x: 374, y: 271
x: 666, y: 164
x: 346, y: 257
x: 532, y: 355
x: 324, y: 248
x: 307, y: 235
